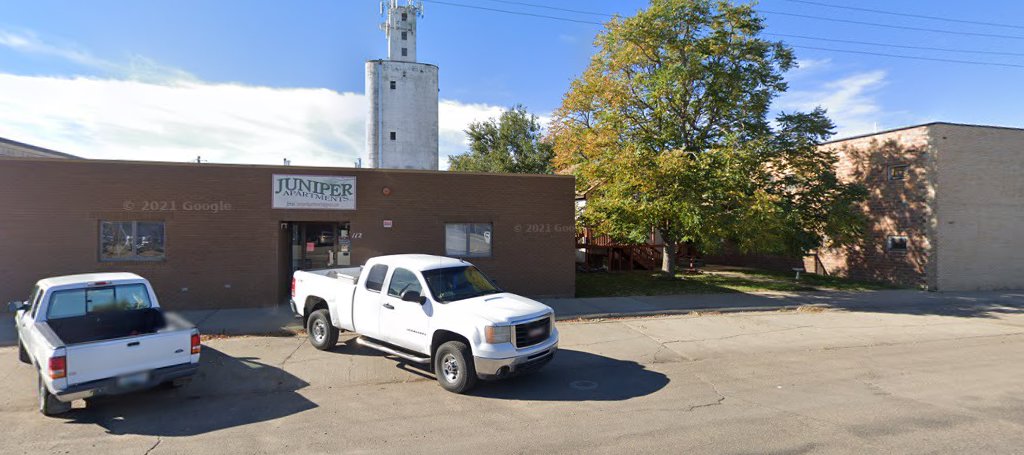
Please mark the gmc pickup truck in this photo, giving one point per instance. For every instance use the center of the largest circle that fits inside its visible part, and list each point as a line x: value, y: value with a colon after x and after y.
x: 100, y: 334
x: 432, y: 310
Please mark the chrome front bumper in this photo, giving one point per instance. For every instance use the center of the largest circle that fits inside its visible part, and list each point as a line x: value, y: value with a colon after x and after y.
x: 501, y: 368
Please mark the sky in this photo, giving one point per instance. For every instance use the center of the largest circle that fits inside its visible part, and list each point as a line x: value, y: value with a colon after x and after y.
x: 247, y: 81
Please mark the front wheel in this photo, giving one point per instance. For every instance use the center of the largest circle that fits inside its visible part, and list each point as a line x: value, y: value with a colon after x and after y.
x: 322, y: 334
x: 453, y: 365
x: 49, y: 405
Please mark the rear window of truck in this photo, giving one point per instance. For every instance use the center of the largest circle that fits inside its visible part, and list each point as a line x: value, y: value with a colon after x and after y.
x: 80, y: 302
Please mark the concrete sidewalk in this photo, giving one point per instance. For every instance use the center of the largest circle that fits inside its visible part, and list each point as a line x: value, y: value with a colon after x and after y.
x: 280, y: 320
x: 889, y: 301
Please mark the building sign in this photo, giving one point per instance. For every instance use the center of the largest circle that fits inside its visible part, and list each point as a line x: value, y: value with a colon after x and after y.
x: 323, y: 192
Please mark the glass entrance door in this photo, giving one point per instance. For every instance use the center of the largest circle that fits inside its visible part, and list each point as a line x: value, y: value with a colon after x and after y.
x: 320, y: 245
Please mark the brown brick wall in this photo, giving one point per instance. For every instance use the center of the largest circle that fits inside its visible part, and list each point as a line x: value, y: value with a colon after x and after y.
x: 894, y: 207
x: 51, y: 212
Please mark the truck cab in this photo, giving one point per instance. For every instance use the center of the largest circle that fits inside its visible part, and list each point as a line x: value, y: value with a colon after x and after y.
x: 434, y: 310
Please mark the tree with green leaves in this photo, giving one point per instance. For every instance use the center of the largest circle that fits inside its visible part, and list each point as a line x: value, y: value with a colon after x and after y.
x: 512, y: 143
x: 667, y: 131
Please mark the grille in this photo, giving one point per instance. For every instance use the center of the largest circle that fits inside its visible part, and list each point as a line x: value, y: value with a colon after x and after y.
x: 540, y: 330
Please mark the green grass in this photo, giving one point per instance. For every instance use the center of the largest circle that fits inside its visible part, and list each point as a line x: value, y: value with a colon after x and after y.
x: 720, y: 280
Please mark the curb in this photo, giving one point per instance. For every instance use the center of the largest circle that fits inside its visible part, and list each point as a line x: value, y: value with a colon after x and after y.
x: 676, y: 312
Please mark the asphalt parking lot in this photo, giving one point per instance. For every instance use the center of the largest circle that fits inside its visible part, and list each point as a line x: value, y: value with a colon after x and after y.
x: 773, y: 382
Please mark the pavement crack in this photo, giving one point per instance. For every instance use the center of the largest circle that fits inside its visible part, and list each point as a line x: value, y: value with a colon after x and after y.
x: 158, y: 441
x: 716, y: 402
x: 293, y: 352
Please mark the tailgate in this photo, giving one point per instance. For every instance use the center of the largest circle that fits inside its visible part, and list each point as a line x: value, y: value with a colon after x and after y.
x: 111, y: 358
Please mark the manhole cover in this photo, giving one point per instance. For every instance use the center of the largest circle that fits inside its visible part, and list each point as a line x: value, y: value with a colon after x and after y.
x: 583, y: 385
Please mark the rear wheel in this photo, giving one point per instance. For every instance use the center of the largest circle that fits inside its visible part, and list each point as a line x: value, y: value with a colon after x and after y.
x: 322, y: 334
x: 23, y: 354
x: 453, y: 365
x: 48, y: 404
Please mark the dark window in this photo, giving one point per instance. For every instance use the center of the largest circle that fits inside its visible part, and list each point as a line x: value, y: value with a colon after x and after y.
x: 79, y: 302
x: 34, y: 299
x: 392, y: 85
x: 131, y: 240
x: 403, y: 280
x: 405, y: 36
x: 898, y: 172
x: 375, y: 277
x: 467, y: 239
x: 458, y: 283
x: 405, y: 52
x: 897, y: 243
x: 392, y: 135
x: 405, y: 16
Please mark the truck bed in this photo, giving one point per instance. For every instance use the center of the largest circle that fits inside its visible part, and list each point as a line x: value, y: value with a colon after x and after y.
x: 108, y: 326
x: 345, y: 273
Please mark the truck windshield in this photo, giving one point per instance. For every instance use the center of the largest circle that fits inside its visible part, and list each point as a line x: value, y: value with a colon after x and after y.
x: 458, y: 283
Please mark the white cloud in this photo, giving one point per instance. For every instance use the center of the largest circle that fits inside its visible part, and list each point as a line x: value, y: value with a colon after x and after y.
x: 809, y: 64
x: 143, y: 110
x: 851, y: 102
x: 177, y: 121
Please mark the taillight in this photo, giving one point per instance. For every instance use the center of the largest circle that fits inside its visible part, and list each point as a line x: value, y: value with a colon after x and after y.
x: 293, y: 287
x: 195, y: 344
x: 58, y: 367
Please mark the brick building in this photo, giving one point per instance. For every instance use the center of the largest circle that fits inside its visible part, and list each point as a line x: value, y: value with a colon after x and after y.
x: 220, y: 236
x: 945, y: 204
x: 23, y: 150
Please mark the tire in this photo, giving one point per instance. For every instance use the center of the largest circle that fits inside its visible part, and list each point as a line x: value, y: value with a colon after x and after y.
x: 453, y: 366
x: 49, y: 405
x: 23, y: 354
x: 322, y: 334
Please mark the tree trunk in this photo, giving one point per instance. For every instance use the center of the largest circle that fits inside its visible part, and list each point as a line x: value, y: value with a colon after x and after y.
x: 668, y: 257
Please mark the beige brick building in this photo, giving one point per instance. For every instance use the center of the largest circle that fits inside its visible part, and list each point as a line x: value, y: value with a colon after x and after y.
x: 946, y: 207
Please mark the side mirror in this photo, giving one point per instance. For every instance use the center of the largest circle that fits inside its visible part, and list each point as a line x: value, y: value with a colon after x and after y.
x: 15, y: 306
x: 413, y: 296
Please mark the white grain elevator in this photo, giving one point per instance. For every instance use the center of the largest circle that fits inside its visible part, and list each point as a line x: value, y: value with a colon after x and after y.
x: 401, y: 128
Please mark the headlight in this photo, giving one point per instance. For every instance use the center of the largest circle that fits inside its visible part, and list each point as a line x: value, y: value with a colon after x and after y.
x: 498, y: 334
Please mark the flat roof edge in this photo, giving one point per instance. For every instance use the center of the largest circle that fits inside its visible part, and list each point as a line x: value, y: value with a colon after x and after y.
x: 39, y: 149
x: 893, y: 130
x: 270, y: 166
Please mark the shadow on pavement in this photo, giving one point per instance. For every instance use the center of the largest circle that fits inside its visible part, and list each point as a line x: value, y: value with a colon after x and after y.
x: 571, y: 376
x: 578, y: 376
x: 226, y: 392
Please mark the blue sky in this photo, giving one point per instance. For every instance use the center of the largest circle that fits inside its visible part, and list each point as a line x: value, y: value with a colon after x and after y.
x: 257, y: 81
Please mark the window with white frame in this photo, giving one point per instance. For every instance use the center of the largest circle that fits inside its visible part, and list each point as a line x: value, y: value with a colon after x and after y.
x: 468, y: 239
x: 131, y: 240
x: 897, y: 243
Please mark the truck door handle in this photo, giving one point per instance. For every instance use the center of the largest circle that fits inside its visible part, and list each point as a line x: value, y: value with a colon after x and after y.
x: 133, y: 344
x: 389, y: 306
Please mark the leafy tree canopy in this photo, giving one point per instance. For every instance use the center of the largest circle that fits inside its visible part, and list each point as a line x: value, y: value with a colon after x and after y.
x: 512, y: 143
x: 668, y: 131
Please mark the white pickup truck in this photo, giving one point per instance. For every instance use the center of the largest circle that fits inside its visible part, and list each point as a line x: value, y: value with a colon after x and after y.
x: 100, y: 334
x: 431, y: 310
